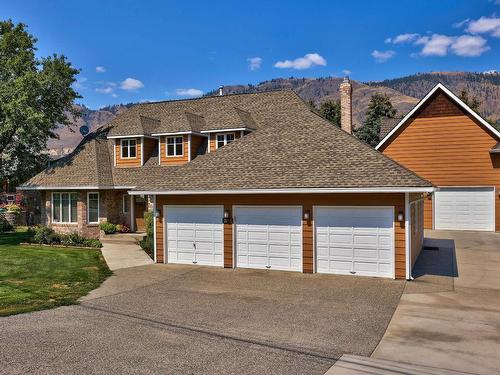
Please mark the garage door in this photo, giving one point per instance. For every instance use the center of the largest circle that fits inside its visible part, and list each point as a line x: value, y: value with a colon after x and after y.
x: 465, y: 209
x: 355, y: 240
x: 269, y: 237
x: 194, y: 235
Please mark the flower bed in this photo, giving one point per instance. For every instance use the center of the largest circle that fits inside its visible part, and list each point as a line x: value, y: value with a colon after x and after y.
x: 43, y: 235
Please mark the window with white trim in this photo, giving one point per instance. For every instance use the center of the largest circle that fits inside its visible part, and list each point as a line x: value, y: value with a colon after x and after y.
x: 93, y: 208
x: 175, y: 146
x: 125, y: 203
x: 128, y: 148
x: 64, y: 207
x: 224, y: 139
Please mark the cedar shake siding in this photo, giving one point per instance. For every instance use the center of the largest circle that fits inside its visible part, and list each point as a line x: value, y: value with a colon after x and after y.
x: 447, y: 146
x: 130, y: 161
x: 174, y: 160
x: 307, y: 201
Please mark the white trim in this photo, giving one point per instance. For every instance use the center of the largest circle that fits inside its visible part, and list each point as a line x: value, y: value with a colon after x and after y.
x: 142, y: 151
x: 159, y: 150
x: 83, y: 187
x: 179, y: 133
x: 209, y: 141
x: 165, y: 260
x: 225, y: 139
x: 287, y: 191
x: 129, y: 136
x: 175, y: 145
x: 455, y: 98
x: 393, y: 253
x: 124, y: 199
x: 154, y: 228
x: 128, y: 147
x: 114, y: 154
x: 189, y: 147
x: 242, y: 133
x: 407, y: 214
x: 60, y: 208
x: 226, y: 130
x: 98, y: 207
x: 132, y: 214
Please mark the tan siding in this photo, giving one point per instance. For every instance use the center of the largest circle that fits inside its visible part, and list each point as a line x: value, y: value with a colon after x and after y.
x: 307, y: 201
x: 127, y: 163
x: 174, y: 160
x: 448, y: 148
x: 213, y: 139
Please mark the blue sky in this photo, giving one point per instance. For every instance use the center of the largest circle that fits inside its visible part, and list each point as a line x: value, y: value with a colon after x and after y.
x: 147, y: 50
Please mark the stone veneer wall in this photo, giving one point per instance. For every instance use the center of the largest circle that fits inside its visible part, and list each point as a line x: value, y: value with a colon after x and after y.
x: 110, y: 209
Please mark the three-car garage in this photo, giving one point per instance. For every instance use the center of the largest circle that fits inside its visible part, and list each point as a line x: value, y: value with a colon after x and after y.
x: 353, y: 240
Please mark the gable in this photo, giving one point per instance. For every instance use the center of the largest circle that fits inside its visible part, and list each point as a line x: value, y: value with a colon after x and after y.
x: 439, y: 105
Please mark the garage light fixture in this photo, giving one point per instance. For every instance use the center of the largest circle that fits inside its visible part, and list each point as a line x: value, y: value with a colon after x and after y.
x: 401, y: 216
x: 227, y: 219
x: 157, y: 213
x: 307, y: 215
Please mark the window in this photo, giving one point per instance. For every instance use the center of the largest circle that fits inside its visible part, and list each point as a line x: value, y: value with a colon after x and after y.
x: 64, y: 207
x: 93, y: 208
x: 128, y: 148
x: 125, y: 203
x: 224, y: 139
x: 175, y: 146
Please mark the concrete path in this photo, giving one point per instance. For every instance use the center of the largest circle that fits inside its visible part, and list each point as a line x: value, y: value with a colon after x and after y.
x: 449, y: 317
x: 122, y: 251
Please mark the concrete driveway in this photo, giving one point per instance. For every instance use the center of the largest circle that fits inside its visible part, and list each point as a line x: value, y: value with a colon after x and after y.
x: 449, y: 317
x: 184, y: 319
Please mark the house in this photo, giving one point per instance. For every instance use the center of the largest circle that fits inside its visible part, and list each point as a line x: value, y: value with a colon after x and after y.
x: 245, y: 180
x: 447, y: 143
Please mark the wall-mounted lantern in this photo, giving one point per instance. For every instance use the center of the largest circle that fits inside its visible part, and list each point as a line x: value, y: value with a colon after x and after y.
x: 401, y: 216
x: 227, y: 219
x: 307, y: 215
x: 157, y: 213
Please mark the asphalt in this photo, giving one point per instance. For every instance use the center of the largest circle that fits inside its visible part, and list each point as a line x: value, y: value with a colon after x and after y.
x: 449, y: 316
x: 187, y: 319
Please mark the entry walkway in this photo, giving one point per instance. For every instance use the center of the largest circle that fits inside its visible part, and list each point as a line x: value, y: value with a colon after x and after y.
x: 122, y: 251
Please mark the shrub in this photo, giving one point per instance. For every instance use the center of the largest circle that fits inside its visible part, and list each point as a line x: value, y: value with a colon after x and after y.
x: 93, y: 242
x: 5, y: 226
x: 147, y: 243
x: 122, y: 228
x: 13, y: 208
x: 73, y: 239
x: 108, y: 228
x: 43, y: 235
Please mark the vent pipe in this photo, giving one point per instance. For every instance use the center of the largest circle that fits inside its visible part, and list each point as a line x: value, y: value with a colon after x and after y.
x: 221, y: 90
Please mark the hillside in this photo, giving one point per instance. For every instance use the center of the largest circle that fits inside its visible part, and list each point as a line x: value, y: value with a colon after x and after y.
x: 484, y: 86
x: 404, y: 93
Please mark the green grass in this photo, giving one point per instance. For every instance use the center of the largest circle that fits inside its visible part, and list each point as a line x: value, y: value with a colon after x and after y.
x: 36, y: 278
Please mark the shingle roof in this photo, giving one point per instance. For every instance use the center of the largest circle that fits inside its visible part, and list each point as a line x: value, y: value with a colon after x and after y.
x: 495, y: 149
x: 291, y: 148
x: 387, y: 124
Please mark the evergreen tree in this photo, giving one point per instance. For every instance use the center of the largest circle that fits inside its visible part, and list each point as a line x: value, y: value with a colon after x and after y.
x: 380, y: 106
x: 331, y: 111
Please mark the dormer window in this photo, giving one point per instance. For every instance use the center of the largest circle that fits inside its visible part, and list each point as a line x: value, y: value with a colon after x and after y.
x: 175, y: 146
x: 224, y: 139
x: 128, y: 148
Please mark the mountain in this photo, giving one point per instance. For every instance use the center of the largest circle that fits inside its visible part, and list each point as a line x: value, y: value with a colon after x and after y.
x: 483, y: 86
x: 404, y: 93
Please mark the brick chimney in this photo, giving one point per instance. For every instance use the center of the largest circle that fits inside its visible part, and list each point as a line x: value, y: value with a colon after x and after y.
x: 346, y: 105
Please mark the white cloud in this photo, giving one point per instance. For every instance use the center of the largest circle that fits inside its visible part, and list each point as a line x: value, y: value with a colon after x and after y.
x: 100, y: 69
x: 80, y: 83
x: 105, y: 90
x: 435, y: 45
x: 254, y: 63
x: 306, y: 62
x: 189, y: 92
x: 382, y: 56
x: 403, y: 38
x: 131, y: 84
x: 346, y: 72
x: 483, y: 25
x: 492, y: 71
x: 469, y: 46
x: 461, y: 24
x: 114, y: 95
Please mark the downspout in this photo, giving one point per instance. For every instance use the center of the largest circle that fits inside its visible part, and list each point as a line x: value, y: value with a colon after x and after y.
x: 408, y: 236
x: 154, y: 227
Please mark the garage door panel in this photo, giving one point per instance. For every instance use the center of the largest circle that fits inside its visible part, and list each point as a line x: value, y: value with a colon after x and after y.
x: 360, y: 240
x: 464, y: 209
x: 269, y: 237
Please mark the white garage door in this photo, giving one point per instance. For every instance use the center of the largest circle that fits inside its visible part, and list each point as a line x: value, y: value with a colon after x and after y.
x: 465, y: 209
x: 269, y: 237
x: 194, y: 235
x: 355, y: 240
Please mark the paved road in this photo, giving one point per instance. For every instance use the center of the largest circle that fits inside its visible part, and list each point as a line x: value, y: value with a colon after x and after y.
x: 186, y: 320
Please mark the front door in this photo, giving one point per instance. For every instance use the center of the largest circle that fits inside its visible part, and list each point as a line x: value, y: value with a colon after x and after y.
x: 139, y: 210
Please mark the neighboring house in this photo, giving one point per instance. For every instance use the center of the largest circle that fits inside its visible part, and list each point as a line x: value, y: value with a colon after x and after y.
x: 245, y: 180
x: 450, y: 145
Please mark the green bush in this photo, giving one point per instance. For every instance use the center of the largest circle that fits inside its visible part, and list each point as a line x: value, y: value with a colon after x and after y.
x: 93, y: 242
x: 147, y: 243
x: 108, y: 228
x: 5, y: 226
x: 43, y: 235
x: 15, y: 208
x: 46, y: 236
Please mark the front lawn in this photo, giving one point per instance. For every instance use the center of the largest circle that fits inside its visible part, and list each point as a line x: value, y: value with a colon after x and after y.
x: 37, y: 278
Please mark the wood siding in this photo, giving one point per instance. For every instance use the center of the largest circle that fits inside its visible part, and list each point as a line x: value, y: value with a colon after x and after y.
x: 196, y: 142
x: 212, y: 140
x: 174, y: 160
x: 128, y: 162
x: 447, y: 147
x: 150, y: 147
x: 305, y: 200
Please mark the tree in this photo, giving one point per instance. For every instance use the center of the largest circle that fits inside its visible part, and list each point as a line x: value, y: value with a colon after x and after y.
x: 331, y: 111
x: 380, y: 106
x: 36, y: 96
x: 473, y: 103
